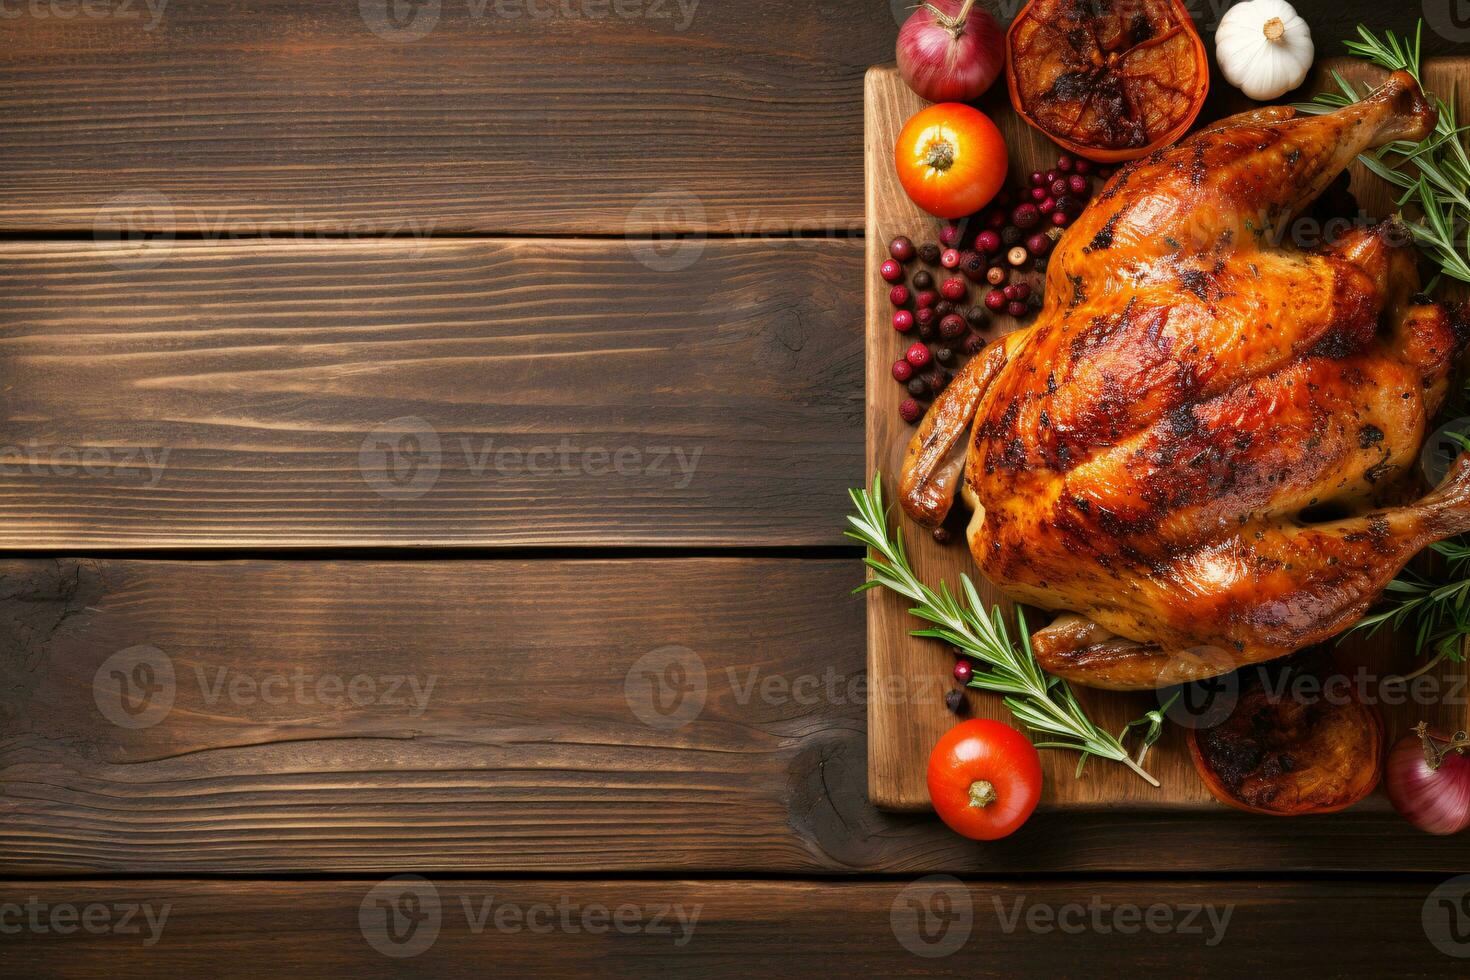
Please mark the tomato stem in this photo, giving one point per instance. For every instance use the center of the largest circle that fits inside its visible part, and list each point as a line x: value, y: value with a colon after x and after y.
x: 939, y: 155
x: 982, y: 794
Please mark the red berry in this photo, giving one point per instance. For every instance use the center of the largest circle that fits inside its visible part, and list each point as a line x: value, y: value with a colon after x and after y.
x: 1016, y: 308
x: 996, y: 276
x: 1047, y: 206
x: 910, y: 410
x: 1026, y: 216
x: 996, y: 221
x: 924, y: 316
x: 902, y: 249
x: 1060, y: 219
x: 950, y: 258
x: 903, y: 321
x: 1023, y: 290
x: 1082, y: 166
x: 1059, y: 187
x: 918, y: 355
x: 1064, y: 163
x: 926, y: 299
x: 1038, y: 244
x: 1038, y: 194
x: 891, y: 271
x: 953, y: 289
x: 1051, y: 176
x: 972, y: 264
x: 1010, y: 292
x: 1037, y: 178
x: 987, y: 242
x: 898, y: 295
x: 952, y: 326
x: 1077, y: 183
x: 902, y: 371
x: 962, y: 671
x: 950, y: 236
x: 995, y: 299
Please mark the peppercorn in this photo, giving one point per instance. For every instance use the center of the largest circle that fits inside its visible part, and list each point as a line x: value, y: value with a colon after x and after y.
x: 1017, y: 255
x: 952, y: 326
x: 902, y: 371
x: 972, y: 264
x: 944, y: 356
x: 943, y: 308
x: 1011, y: 236
x: 923, y: 280
x: 996, y: 275
x: 918, y: 387
x: 926, y: 331
x: 902, y: 249
x: 974, y: 344
x: 910, y: 410
x: 1040, y: 265
x: 977, y: 317
x: 928, y: 252
x: 955, y: 701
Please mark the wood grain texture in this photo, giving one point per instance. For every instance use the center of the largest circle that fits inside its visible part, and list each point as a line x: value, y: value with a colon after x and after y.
x: 466, y: 717
x: 277, y: 394
x: 901, y: 733
x: 729, y: 928
x: 508, y: 116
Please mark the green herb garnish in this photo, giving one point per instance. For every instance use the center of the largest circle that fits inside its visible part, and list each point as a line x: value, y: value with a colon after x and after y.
x: 1042, y: 703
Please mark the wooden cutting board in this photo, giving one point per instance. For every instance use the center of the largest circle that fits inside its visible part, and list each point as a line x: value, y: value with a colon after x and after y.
x: 908, y: 677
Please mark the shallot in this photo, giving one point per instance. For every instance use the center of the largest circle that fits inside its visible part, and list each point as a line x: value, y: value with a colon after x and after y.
x: 1427, y: 778
x: 950, y: 52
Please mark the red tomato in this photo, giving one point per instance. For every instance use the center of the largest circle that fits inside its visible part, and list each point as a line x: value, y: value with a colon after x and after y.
x: 984, y: 779
x: 951, y: 159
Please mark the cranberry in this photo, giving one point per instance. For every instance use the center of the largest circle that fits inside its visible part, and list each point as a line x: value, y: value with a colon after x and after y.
x: 972, y: 264
x: 926, y: 299
x: 929, y: 252
x: 977, y: 317
x: 898, y: 295
x: 902, y: 371
x: 1038, y: 244
x: 996, y: 275
x: 1051, y: 176
x: 950, y: 236
x: 974, y: 344
x: 923, y: 280
x: 918, y: 388
x: 1016, y: 308
x: 925, y: 316
x: 943, y: 308
x: 1023, y: 290
x: 944, y: 356
x: 952, y: 326
x: 891, y: 271
x: 1082, y: 166
x: 987, y: 242
x: 937, y: 380
x: 1059, y: 187
x: 1026, y: 216
x: 1060, y: 219
x: 1038, y: 194
x: 953, y: 290
x: 1078, y: 184
x: 1047, y: 206
x: 918, y: 355
x: 962, y: 671
x: 926, y: 331
x: 995, y: 299
x: 950, y: 258
x: 1037, y: 178
x: 903, y: 321
x: 1010, y: 292
x: 1064, y: 163
x: 902, y: 249
x: 910, y: 410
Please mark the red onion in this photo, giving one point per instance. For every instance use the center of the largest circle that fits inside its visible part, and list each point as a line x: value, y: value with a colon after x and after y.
x: 948, y: 52
x: 1428, y: 781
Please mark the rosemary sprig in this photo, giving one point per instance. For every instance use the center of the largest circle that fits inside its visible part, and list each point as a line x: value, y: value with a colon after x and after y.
x: 1044, y: 704
x: 1440, y: 611
x: 1434, y: 173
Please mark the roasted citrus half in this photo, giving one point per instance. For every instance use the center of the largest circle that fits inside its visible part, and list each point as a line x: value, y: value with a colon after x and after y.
x: 1107, y: 79
x: 1299, y: 740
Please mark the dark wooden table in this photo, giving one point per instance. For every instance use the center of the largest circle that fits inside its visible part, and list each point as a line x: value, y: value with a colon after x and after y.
x: 425, y: 434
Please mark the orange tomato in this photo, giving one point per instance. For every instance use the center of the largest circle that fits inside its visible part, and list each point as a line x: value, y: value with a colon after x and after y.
x: 984, y: 779
x: 951, y: 160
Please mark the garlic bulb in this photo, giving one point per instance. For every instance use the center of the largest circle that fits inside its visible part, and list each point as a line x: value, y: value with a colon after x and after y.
x: 1264, y: 48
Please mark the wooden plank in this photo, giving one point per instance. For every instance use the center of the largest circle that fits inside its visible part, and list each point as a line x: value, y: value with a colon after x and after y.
x: 449, y: 928
x: 903, y: 732
x: 499, y: 716
x: 507, y: 117
x: 524, y: 392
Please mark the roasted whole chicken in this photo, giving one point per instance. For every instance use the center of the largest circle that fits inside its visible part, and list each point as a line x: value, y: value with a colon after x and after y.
x: 1200, y: 452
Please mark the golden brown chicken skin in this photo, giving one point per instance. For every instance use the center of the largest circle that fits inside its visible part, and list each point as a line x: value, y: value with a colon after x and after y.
x: 1140, y: 458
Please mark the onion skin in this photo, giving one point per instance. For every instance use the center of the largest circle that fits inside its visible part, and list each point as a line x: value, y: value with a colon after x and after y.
x: 941, y: 67
x: 1434, y: 799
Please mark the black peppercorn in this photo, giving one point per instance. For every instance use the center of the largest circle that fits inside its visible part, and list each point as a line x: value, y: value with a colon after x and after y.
x: 944, y: 356
x: 929, y: 253
x: 923, y: 280
x: 977, y: 317
x: 918, y: 387
x: 954, y: 701
x: 1011, y: 236
x: 943, y: 308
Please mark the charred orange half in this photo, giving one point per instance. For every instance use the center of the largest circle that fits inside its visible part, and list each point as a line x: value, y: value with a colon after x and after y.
x: 1109, y: 80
